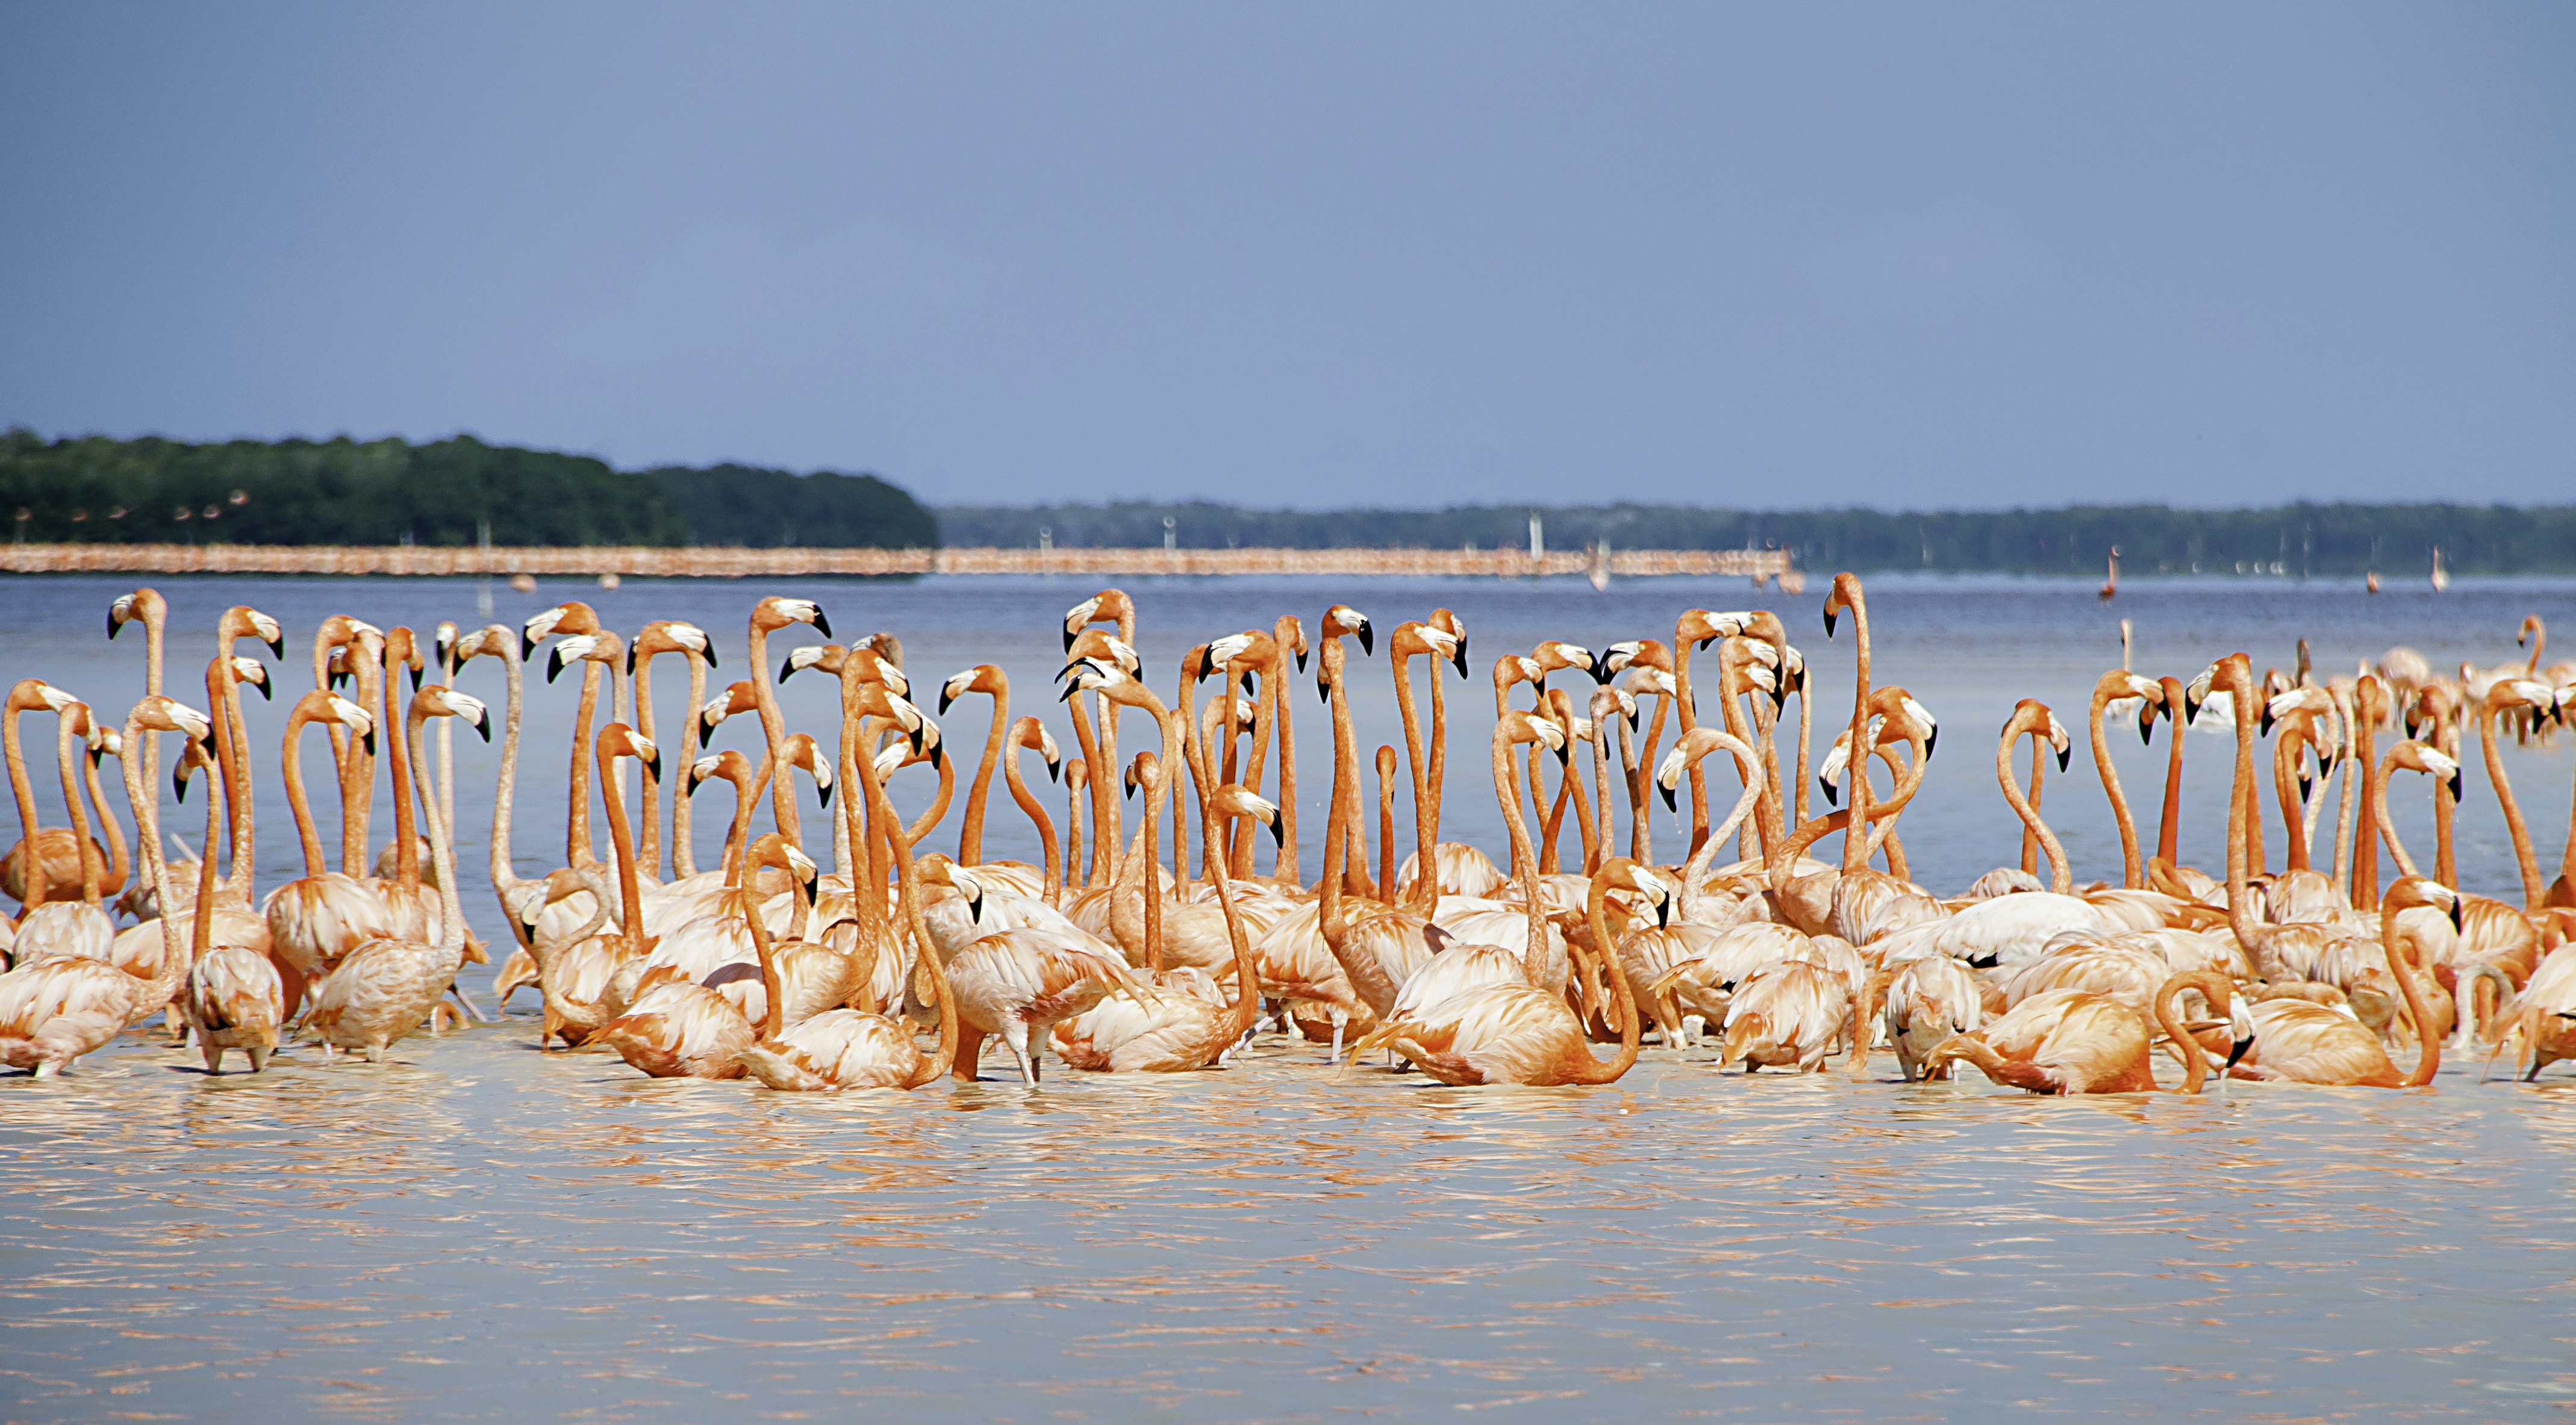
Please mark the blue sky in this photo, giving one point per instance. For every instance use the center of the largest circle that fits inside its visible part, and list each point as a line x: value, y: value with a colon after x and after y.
x: 1957, y: 255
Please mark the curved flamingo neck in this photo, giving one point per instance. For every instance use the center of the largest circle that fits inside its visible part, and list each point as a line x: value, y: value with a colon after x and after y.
x: 66, y: 761
x: 297, y: 805
x: 621, y: 838
x: 1368, y: 978
x: 2428, y: 1045
x: 908, y: 894
x: 2060, y: 879
x: 579, y: 849
x: 684, y: 855
x: 2169, y: 824
x: 649, y: 783
x: 442, y: 849
x: 1591, y: 1070
x: 2215, y: 988
x: 1426, y: 878
x: 505, y: 876
x: 970, y: 833
x: 2388, y: 828
x: 2523, y: 859
x: 406, y: 845
x: 2132, y: 872
x: 1036, y: 812
x: 31, y: 866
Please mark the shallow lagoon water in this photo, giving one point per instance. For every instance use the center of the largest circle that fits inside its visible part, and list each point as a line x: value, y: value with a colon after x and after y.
x: 480, y: 1230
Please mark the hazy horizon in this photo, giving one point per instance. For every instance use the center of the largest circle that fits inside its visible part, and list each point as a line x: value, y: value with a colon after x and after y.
x: 1973, y: 257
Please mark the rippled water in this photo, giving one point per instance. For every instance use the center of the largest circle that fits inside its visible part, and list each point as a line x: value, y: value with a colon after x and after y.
x: 482, y: 1230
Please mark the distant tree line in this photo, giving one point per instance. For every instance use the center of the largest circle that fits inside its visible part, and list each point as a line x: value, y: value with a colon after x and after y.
x: 2301, y: 539
x: 153, y: 491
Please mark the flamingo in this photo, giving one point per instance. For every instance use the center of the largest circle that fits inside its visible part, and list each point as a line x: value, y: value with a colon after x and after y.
x: 317, y: 919
x: 54, y: 1012
x: 2074, y: 1041
x: 387, y: 986
x: 232, y: 997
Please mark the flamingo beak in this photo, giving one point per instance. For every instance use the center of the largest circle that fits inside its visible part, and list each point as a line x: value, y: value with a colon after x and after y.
x: 277, y: 646
x: 822, y: 625
x: 1069, y: 690
x: 1670, y: 803
x: 975, y: 906
x: 1068, y: 638
x: 1054, y: 769
x: 415, y: 676
x: 787, y: 670
x: 1834, y: 792
x: 1131, y: 790
x: 112, y: 625
x: 2064, y: 755
x: 944, y: 700
x: 1931, y: 740
x: 1278, y: 832
x: 2266, y: 719
x: 938, y: 753
x: 2237, y: 1051
x: 1829, y: 624
x: 653, y: 763
x: 369, y: 742
x: 630, y: 660
x: 1248, y: 690
x: 527, y: 646
x: 554, y: 663
x: 2191, y: 710
x: 2147, y: 727
x: 1600, y: 669
x: 824, y: 792
x: 1301, y: 660
x: 2455, y: 788
x: 2456, y: 904
x: 1368, y: 639
x: 1323, y: 691
x: 483, y: 725
x: 267, y: 692
x: 1663, y: 911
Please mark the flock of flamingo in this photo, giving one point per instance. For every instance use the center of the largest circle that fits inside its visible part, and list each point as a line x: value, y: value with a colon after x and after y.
x: 893, y: 968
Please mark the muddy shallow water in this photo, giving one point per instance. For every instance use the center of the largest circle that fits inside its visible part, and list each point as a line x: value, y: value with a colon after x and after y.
x: 480, y: 1230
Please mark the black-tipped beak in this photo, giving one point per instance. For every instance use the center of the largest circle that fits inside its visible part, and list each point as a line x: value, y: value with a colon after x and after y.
x: 1249, y: 690
x: 112, y: 625
x: 96, y: 755
x: 2266, y: 719
x: 1459, y: 659
x: 268, y: 692
x: 179, y: 785
x: 527, y: 646
x: 1278, y: 832
x: 1833, y: 793
x: 1368, y: 638
x: 2455, y: 789
x: 944, y: 701
x: 1323, y: 691
x: 694, y: 784
x: 1600, y: 669
x: 1663, y: 911
x: 824, y: 794
x: 483, y: 725
x: 1301, y: 661
x: 369, y: 742
x: 1931, y: 740
x: 630, y: 660
x: 338, y: 681
x: 1068, y: 638
x: 2456, y: 905
x: 1670, y: 802
x: 2237, y: 1051
x: 2064, y: 755
x: 1131, y: 791
x: 416, y: 675
x: 652, y: 764
x: 822, y: 625
x: 554, y: 663
x: 938, y: 753
x: 710, y: 654
x: 277, y: 646
x: 1829, y: 626
x: 2147, y: 728
x: 787, y: 670
x: 2190, y: 710
x: 1565, y: 754
x: 1055, y: 769
x: 1067, y: 694
x: 2307, y: 787
x: 975, y: 906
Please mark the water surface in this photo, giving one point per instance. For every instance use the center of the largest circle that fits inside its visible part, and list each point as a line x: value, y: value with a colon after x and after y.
x: 480, y: 1230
